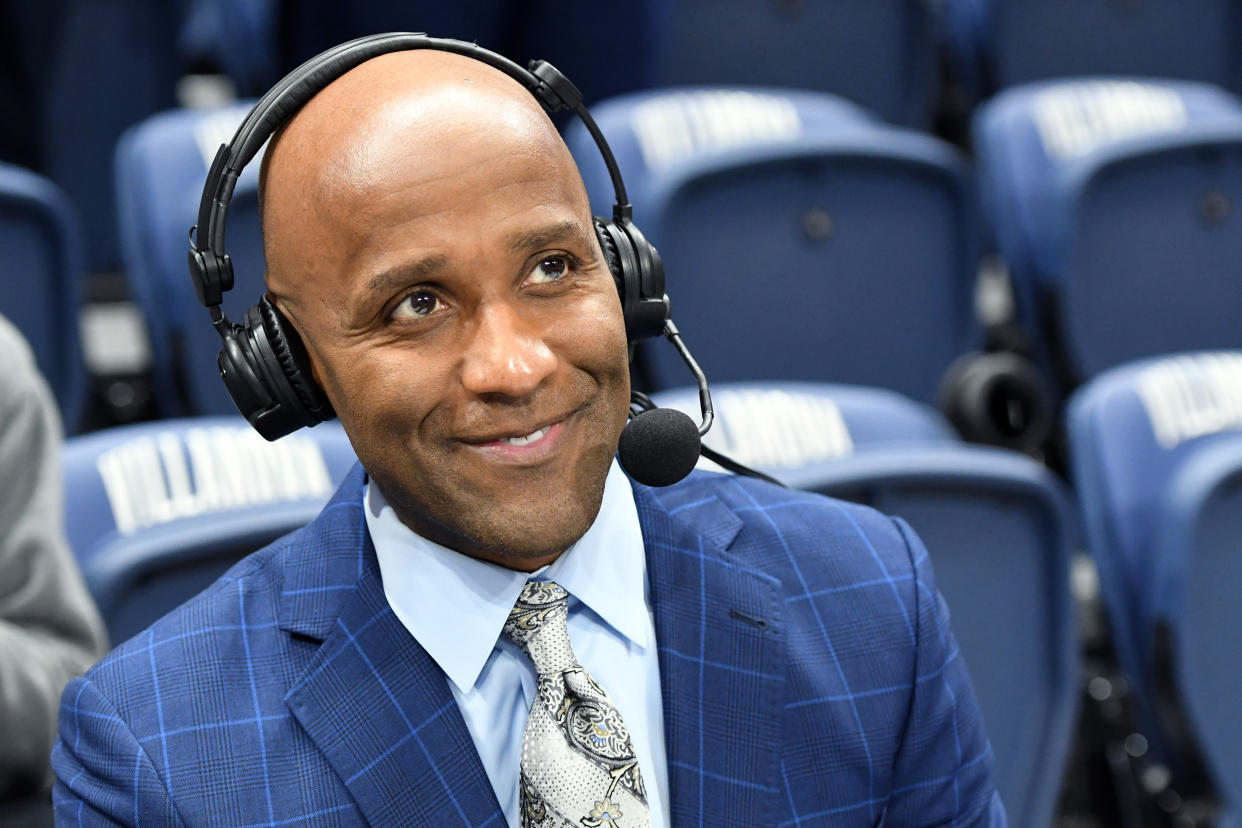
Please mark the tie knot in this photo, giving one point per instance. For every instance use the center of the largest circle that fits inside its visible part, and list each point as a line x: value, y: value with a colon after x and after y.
x: 537, y: 624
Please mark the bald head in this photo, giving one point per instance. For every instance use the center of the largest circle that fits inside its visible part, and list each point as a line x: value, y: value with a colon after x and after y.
x: 428, y: 235
x: 391, y: 118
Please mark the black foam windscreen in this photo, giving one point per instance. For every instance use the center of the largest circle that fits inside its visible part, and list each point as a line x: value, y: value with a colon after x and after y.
x: 659, y: 447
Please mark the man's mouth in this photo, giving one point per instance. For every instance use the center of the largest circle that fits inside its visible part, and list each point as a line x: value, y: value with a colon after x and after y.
x: 533, y: 437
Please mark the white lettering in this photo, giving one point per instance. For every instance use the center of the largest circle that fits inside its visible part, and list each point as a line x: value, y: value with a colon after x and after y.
x: 174, y: 475
x: 1192, y: 396
x: 1074, y: 119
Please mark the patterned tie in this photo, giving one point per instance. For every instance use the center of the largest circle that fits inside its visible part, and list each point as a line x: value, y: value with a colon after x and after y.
x: 578, y: 766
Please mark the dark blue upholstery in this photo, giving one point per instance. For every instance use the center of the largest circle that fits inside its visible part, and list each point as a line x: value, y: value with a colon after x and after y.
x: 802, y: 239
x: 1197, y: 585
x: 997, y: 526
x: 40, y: 291
x: 236, y: 37
x: 158, y: 511
x: 880, y: 53
x: 113, y: 64
x: 161, y: 165
x: 1114, y: 203
x: 1015, y: 41
x: 1147, y: 441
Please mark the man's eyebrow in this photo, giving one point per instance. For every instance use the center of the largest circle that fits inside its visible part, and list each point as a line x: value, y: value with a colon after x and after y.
x: 407, y: 274
x: 547, y: 236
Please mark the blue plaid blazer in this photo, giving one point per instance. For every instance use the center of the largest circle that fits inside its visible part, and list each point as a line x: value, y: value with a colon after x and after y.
x: 808, y: 673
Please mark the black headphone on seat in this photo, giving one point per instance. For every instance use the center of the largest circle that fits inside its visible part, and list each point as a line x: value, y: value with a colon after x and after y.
x: 262, y: 360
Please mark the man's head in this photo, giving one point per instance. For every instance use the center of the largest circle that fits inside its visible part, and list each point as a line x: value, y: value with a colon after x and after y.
x: 428, y: 235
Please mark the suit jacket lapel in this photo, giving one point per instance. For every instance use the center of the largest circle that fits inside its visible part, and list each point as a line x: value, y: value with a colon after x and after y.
x: 721, y: 661
x: 371, y: 699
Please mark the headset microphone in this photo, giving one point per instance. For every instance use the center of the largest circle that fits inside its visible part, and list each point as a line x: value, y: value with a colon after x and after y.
x: 660, y: 446
x: 262, y: 360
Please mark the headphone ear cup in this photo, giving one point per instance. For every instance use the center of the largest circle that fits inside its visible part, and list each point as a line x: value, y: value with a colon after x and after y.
x: 639, y: 273
x: 266, y: 370
x: 290, y: 354
x: 611, y: 257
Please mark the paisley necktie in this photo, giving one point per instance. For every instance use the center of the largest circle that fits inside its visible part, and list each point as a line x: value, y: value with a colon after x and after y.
x: 578, y: 766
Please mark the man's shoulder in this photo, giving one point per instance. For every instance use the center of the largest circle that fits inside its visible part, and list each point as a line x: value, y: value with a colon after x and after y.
x: 793, y: 532
x: 188, y: 648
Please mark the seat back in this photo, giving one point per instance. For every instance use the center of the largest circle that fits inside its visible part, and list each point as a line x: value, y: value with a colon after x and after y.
x: 880, y: 53
x: 1132, y: 431
x: 1021, y: 42
x: 160, y: 510
x: 1113, y: 201
x: 112, y: 65
x: 805, y: 228
x: 41, y: 285
x: 161, y: 165
x: 996, y: 524
x: 1196, y: 596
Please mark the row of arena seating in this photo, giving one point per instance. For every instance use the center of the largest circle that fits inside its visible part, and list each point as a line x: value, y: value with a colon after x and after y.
x: 161, y: 509
x: 790, y: 222
x: 82, y: 71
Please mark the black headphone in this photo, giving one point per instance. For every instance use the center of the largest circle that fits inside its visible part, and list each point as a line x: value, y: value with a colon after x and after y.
x: 262, y: 360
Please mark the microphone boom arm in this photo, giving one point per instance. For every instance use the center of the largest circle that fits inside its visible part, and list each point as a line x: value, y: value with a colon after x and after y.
x: 705, y: 395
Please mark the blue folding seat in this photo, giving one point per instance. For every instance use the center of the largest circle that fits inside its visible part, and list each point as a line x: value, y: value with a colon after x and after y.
x: 160, y: 510
x: 801, y: 237
x: 880, y: 53
x: 1010, y: 42
x: 40, y: 292
x: 161, y: 165
x: 604, y: 48
x: 235, y: 37
x: 111, y: 65
x: 1114, y: 203
x: 1152, y: 443
x: 998, y: 528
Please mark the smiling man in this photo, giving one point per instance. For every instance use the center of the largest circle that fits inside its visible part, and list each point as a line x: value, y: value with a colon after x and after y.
x: 490, y: 624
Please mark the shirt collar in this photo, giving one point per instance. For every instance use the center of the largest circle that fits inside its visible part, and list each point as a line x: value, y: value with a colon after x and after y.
x: 455, y: 606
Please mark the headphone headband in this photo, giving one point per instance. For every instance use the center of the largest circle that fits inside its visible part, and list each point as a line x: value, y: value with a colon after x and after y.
x: 277, y: 107
x: 262, y: 361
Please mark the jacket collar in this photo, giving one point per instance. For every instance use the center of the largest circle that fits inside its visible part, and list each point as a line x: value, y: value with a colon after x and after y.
x: 722, y: 657
x: 382, y: 714
x: 372, y: 700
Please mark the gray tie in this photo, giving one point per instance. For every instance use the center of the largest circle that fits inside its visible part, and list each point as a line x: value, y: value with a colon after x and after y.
x: 578, y: 766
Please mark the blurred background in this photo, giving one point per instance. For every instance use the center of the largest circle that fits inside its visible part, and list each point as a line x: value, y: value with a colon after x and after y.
x: 975, y: 262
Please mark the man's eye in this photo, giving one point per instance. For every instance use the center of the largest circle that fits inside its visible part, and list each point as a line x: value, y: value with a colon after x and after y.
x: 548, y: 270
x: 417, y: 305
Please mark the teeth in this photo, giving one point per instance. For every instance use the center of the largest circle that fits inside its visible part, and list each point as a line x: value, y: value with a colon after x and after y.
x: 527, y: 440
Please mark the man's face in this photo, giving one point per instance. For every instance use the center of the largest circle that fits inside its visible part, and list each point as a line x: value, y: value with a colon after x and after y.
x: 461, y: 319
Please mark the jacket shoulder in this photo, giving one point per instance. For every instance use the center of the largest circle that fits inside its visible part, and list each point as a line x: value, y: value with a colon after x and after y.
x: 799, y: 535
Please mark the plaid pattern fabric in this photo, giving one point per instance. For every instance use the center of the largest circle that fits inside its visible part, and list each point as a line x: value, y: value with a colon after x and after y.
x: 808, y: 675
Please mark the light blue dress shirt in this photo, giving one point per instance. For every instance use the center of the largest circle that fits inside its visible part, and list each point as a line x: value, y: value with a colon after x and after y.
x: 455, y: 607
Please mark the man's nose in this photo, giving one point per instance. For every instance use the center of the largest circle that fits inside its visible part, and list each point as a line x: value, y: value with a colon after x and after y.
x: 506, y: 353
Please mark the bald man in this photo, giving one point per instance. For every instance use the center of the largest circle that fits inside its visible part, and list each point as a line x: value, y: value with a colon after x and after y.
x: 489, y: 624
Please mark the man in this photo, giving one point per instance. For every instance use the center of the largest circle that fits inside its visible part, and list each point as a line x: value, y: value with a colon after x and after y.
x: 730, y: 653
x: 49, y: 628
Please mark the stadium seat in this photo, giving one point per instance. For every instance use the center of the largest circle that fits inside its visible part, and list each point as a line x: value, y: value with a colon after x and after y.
x: 880, y: 53
x: 161, y: 165
x: 157, y: 511
x: 1115, y: 205
x: 235, y: 37
x: 112, y: 65
x: 1151, y: 446
x: 1197, y: 584
x: 604, y: 48
x: 801, y: 238
x: 41, y: 286
x: 997, y: 526
x: 1011, y: 42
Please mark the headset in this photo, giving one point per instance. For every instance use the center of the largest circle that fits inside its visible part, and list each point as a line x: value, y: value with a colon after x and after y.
x: 262, y: 360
